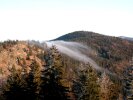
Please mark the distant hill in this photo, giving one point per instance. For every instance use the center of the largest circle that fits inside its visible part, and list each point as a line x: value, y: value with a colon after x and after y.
x: 126, y: 38
x: 77, y: 34
x: 113, y: 53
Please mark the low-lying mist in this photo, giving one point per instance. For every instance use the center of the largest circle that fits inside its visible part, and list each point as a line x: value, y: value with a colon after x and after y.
x: 75, y: 50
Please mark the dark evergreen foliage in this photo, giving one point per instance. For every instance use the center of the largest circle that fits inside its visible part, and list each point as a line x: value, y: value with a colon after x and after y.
x: 51, y: 87
x: 86, y: 87
x: 15, y: 87
x: 21, y: 85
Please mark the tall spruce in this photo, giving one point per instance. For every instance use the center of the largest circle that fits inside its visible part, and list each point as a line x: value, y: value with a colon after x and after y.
x: 33, y: 81
x: 52, y: 87
x: 86, y: 87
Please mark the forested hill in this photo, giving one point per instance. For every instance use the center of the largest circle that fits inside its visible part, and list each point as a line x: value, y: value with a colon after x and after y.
x: 30, y: 70
x: 113, y: 53
x: 77, y: 34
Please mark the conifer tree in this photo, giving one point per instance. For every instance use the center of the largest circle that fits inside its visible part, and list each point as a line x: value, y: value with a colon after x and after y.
x: 52, y: 86
x: 33, y: 81
x: 14, y: 88
x: 78, y: 86
x: 23, y: 85
x: 91, y: 85
x: 86, y: 87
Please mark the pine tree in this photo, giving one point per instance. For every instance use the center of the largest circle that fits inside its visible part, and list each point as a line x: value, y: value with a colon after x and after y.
x: 23, y: 85
x: 86, y: 87
x: 52, y: 86
x: 33, y: 81
x: 91, y: 85
x: 14, y: 88
x: 78, y: 86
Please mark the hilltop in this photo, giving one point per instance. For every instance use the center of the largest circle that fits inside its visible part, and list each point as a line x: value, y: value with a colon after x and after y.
x: 113, y: 53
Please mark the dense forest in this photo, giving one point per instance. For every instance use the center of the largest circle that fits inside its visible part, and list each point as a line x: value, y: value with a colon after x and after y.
x: 30, y: 70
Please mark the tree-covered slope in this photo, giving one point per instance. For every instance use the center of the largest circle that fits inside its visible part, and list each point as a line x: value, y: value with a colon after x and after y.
x: 113, y: 53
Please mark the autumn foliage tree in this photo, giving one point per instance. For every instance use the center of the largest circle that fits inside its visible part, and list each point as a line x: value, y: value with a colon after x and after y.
x: 108, y: 89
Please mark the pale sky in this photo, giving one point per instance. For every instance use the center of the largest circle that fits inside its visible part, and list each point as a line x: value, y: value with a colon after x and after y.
x: 49, y: 19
